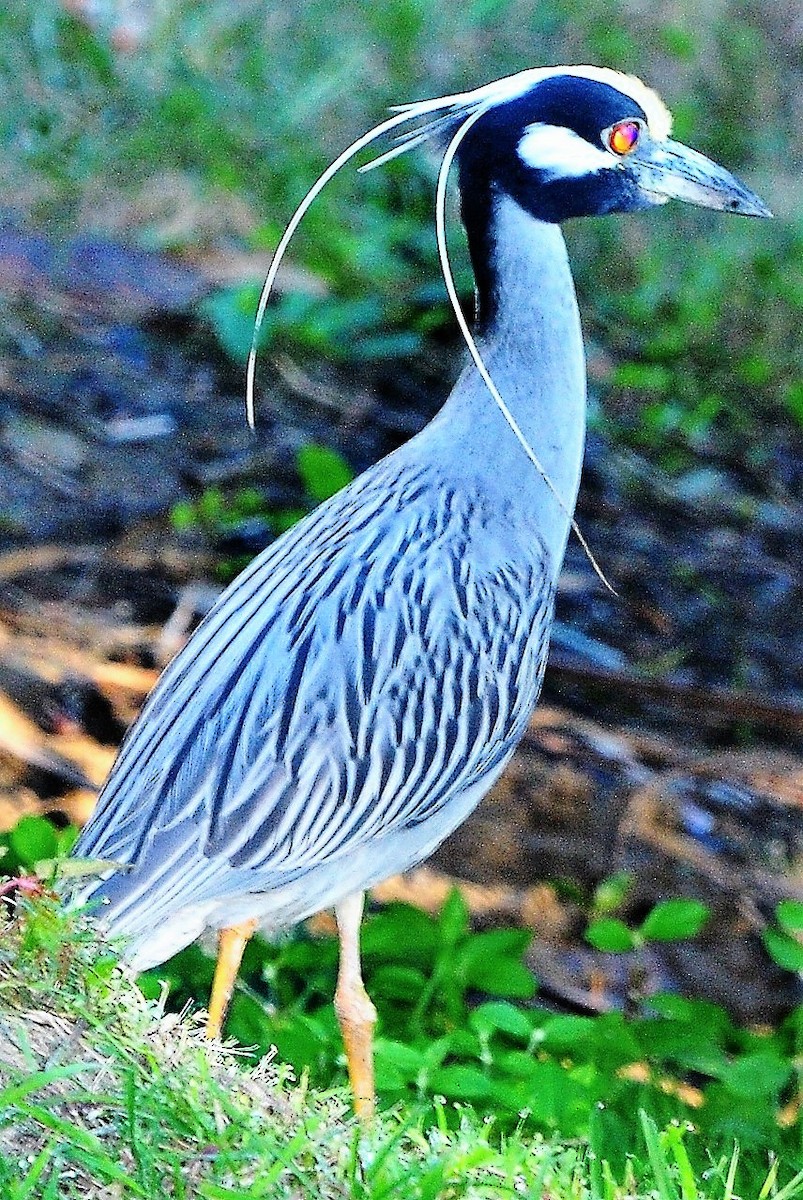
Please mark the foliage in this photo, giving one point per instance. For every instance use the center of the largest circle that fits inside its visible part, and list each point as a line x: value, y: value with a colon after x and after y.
x: 32, y: 845
x: 339, y: 329
x: 669, y: 921
x: 100, y: 1091
x: 687, y: 379
x: 323, y: 471
x: 457, y: 1019
x: 784, y: 940
x: 241, y: 524
x: 460, y: 1030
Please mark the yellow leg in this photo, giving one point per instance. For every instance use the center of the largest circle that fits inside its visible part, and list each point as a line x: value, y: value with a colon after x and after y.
x: 231, y: 944
x: 355, y: 1012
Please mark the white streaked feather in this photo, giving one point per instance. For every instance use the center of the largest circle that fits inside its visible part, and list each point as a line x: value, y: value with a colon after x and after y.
x: 175, y: 867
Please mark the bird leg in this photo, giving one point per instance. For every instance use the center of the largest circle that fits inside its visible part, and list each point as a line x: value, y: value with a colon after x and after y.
x: 231, y: 944
x: 355, y: 1012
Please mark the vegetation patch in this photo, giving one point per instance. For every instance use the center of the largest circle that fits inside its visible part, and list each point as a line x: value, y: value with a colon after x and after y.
x: 103, y: 1094
x: 111, y: 1089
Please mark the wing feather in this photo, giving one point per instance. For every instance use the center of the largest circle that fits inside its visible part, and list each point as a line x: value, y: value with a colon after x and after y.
x: 361, y: 674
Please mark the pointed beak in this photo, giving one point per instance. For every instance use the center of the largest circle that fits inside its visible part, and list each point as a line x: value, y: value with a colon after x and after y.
x: 670, y: 170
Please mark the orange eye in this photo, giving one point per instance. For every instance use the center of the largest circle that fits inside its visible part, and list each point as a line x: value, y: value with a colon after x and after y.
x: 623, y: 137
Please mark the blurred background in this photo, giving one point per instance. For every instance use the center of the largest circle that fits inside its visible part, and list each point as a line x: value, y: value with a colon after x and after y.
x: 152, y: 154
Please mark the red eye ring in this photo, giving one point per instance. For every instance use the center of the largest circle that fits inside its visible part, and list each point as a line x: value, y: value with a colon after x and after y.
x: 623, y: 137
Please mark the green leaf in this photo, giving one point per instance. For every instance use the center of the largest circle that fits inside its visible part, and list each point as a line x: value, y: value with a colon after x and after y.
x: 397, y: 1064
x: 304, y: 955
x: 285, y: 518
x: 502, y: 977
x: 453, y: 919
x: 230, y: 312
x: 762, y: 1074
x: 397, y: 981
x: 519, y: 1064
x: 704, y: 1017
x: 674, y: 920
x: 464, y: 1044
x: 692, y: 1047
x: 401, y: 934
x: 33, y: 839
x: 497, y: 1016
x: 491, y: 962
x: 66, y: 839
x: 460, y: 1083
x: 567, y: 1035
x: 645, y: 377
x: 680, y: 42
x: 611, y: 935
x: 183, y: 515
x: 435, y: 1052
x: 794, y: 400
x: 499, y: 943
x: 249, y: 1022
x: 614, y: 1040
x: 789, y: 914
x: 323, y: 471
x: 612, y: 892
x: 785, y: 950
x: 301, y: 1041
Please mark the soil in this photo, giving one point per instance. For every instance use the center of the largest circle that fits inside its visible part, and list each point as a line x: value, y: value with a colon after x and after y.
x: 669, y: 741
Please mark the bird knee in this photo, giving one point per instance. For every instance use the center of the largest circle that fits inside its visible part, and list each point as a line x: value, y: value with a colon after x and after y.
x: 354, y: 1007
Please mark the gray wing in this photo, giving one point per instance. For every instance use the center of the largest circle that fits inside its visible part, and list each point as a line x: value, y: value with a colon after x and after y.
x: 369, y: 667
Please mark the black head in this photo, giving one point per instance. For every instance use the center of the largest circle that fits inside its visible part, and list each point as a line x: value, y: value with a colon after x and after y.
x: 561, y: 141
x: 585, y: 141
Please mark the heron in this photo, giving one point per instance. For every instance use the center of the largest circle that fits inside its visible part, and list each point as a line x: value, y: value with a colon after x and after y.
x: 357, y: 690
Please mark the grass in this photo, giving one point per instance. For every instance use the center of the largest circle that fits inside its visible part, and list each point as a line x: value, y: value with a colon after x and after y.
x: 462, y: 1040
x: 104, y: 1094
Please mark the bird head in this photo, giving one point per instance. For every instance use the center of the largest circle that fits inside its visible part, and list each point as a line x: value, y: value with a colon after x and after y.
x: 561, y: 141
x: 583, y: 141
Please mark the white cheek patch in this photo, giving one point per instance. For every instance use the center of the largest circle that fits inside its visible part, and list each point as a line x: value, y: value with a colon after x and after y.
x: 560, y: 153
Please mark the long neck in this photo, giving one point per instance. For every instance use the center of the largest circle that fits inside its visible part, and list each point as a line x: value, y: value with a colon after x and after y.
x: 530, y: 339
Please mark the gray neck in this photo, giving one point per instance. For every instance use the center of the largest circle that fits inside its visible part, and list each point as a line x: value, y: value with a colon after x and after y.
x: 533, y: 349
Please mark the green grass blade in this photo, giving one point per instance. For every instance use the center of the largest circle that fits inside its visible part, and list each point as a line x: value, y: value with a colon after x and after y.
x: 657, y: 1156
x: 791, y: 1190
x: 41, y: 1079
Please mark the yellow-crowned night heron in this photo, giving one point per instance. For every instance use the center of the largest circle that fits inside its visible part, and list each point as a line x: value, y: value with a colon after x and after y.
x: 358, y: 689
